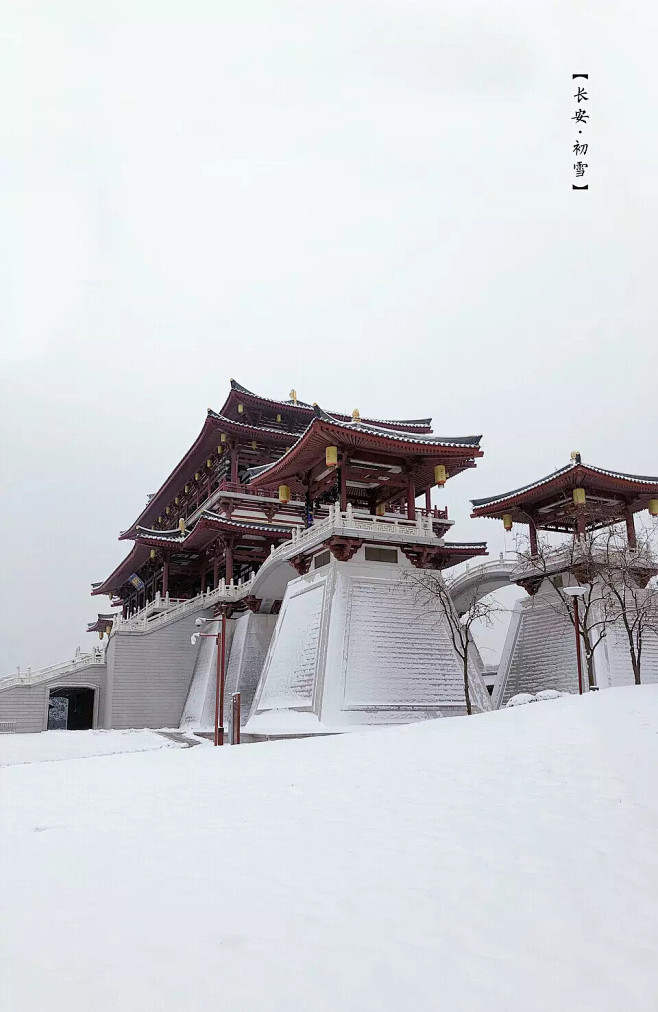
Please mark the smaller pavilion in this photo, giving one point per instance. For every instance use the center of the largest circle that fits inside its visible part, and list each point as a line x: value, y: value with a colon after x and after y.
x: 575, y: 499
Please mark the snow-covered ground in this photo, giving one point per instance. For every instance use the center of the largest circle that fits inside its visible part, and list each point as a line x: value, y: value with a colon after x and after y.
x: 507, y: 861
x: 51, y: 746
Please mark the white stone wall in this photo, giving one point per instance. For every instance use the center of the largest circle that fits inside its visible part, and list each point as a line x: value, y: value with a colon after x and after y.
x: 353, y: 647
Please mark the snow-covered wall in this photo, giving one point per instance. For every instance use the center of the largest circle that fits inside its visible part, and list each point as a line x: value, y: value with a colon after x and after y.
x: 539, y: 652
x: 149, y: 674
x: 352, y: 647
x: 26, y: 706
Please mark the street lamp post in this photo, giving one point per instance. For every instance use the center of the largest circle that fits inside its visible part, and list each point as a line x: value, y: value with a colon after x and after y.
x: 575, y: 593
x: 220, y: 640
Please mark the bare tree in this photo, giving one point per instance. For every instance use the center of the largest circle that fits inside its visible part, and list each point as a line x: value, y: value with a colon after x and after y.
x: 431, y: 590
x: 582, y: 559
x: 628, y: 575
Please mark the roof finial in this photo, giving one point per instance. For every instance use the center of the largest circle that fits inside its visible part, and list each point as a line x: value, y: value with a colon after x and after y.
x: 575, y: 457
x: 293, y: 396
x: 355, y: 415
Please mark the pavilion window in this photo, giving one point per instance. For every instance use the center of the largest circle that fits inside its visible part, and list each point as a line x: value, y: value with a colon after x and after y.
x: 323, y: 559
x: 376, y: 554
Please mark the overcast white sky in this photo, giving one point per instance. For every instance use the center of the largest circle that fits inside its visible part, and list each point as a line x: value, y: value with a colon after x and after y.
x: 368, y: 201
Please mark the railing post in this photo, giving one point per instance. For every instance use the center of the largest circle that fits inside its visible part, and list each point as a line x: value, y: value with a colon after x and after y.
x: 235, y: 719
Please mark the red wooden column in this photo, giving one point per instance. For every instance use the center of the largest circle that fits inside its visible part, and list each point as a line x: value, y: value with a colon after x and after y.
x: 229, y: 559
x: 580, y: 522
x: 630, y: 527
x: 343, y: 482
x: 203, y: 579
x: 234, y: 463
x: 532, y: 530
x: 428, y: 498
x: 411, y: 497
x: 165, y: 576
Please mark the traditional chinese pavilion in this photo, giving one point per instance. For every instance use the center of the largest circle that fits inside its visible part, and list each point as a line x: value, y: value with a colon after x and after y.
x: 261, y: 468
x: 577, y: 500
x: 294, y: 525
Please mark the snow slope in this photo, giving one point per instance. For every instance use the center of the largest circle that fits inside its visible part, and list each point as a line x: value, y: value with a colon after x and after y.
x: 50, y: 746
x: 506, y: 861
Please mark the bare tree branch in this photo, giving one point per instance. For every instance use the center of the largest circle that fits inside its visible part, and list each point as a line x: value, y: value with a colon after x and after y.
x: 431, y: 590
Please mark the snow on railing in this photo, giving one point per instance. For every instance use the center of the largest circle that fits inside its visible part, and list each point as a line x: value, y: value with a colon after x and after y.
x: 163, y: 610
x: 29, y: 677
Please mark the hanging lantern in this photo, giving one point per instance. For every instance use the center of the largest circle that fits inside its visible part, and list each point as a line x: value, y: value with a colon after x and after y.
x: 223, y: 437
x: 159, y: 520
x: 108, y: 630
x: 187, y: 489
x: 100, y: 634
x: 653, y: 507
x: 167, y: 510
x: 507, y: 521
x: 331, y: 456
x: 381, y: 509
x: 219, y: 451
x: 284, y: 493
x: 176, y: 500
x: 240, y: 409
x: 278, y: 418
x: 181, y: 525
x: 152, y: 554
x: 440, y: 475
x: 209, y: 463
x: 254, y: 444
x: 579, y: 496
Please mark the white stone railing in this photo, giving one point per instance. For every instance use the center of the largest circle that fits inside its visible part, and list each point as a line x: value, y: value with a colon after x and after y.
x: 163, y: 610
x: 29, y: 677
x: 560, y: 559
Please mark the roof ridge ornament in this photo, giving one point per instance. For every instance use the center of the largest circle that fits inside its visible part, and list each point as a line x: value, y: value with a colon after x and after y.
x: 576, y: 457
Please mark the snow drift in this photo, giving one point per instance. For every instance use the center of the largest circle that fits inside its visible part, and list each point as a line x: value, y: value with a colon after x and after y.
x: 504, y: 861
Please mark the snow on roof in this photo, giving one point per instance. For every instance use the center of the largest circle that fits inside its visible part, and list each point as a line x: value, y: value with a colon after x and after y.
x: 618, y: 475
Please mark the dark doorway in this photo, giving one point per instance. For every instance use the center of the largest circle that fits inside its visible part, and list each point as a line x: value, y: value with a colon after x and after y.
x: 71, y: 709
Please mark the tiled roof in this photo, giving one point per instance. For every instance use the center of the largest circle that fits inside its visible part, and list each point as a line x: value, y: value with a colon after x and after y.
x: 397, y: 436
x: 619, y: 475
x: 421, y: 423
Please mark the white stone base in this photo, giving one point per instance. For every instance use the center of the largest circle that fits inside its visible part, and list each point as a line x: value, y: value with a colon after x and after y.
x: 351, y: 649
x: 540, y: 652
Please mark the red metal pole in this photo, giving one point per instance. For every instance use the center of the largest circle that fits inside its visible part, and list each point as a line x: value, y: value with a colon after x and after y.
x: 222, y: 681
x: 411, y: 498
x: 576, y: 625
x: 218, y: 682
x: 235, y: 722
